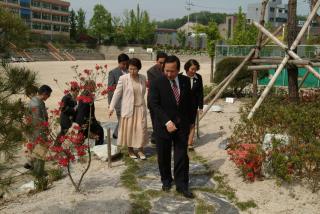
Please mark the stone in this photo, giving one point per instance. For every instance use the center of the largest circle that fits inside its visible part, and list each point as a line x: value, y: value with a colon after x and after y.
x: 223, y: 144
x: 171, y: 204
x: 27, y: 187
x: 214, y: 108
x: 230, y: 100
x: 221, y: 205
x: 201, y: 181
x: 197, y: 169
x: 150, y: 184
x: 267, y: 141
x: 102, y: 151
x: 116, y: 206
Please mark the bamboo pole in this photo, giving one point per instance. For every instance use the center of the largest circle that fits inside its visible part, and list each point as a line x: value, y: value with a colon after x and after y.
x: 214, y: 90
x: 109, y: 148
x: 290, y: 51
x: 269, y: 86
x: 286, y: 58
x: 261, y: 67
x: 229, y: 80
x: 257, y: 50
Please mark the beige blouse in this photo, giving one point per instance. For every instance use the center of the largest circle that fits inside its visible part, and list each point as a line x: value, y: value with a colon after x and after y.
x: 138, y: 99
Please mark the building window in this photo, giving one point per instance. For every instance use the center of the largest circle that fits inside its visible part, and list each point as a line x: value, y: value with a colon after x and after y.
x: 271, y: 19
x: 65, y: 28
x: 46, y: 27
x: 286, y: 11
x: 64, y: 9
x: 55, y: 7
x: 36, y: 15
x: 56, y: 18
x: 36, y: 26
x: 65, y: 19
x: 281, y: 20
x: 13, y: 1
x: 36, y: 4
x: 56, y: 28
x: 280, y: 10
x: 46, y: 16
x: 25, y: 3
x: 46, y: 5
x: 272, y: 9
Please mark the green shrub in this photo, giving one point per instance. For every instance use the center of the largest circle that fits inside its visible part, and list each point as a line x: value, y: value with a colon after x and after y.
x: 300, y: 159
x: 242, y: 80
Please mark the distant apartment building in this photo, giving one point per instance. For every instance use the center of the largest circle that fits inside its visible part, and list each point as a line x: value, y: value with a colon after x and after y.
x: 276, y: 12
x: 45, y: 17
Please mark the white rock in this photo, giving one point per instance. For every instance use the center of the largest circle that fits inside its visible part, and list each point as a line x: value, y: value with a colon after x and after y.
x: 214, y: 108
x: 267, y: 141
x: 27, y: 187
x: 230, y: 100
x: 102, y: 151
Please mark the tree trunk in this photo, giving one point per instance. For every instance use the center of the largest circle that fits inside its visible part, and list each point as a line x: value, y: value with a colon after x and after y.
x: 211, y: 68
x: 292, y: 34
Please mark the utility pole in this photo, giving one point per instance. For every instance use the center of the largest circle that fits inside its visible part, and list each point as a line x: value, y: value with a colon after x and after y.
x: 188, y: 8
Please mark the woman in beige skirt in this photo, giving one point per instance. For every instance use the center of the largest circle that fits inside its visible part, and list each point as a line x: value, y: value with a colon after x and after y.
x: 131, y: 88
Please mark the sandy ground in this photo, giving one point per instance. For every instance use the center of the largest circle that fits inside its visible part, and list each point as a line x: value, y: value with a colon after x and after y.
x: 215, y: 127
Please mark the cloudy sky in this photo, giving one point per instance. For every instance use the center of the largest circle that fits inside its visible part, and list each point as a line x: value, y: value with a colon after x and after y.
x: 164, y: 9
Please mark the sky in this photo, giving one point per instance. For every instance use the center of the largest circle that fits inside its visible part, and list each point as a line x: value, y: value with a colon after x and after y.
x: 165, y: 9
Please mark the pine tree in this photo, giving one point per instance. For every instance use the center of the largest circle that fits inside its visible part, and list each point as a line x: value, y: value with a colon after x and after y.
x: 14, y: 82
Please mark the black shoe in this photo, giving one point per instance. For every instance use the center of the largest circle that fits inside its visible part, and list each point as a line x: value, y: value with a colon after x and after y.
x: 153, y: 141
x: 28, y: 166
x: 114, y: 136
x: 186, y: 193
x: 166, y: 188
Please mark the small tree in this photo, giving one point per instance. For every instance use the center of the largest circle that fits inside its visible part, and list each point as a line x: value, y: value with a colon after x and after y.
x: 14, y: 81
x: 182, y: 38
x: 212, y: 33
x: 12, y: 29
x: 243, y: 34
x: 101, y: 23
x: 81, y: 22
x: 73, y: 25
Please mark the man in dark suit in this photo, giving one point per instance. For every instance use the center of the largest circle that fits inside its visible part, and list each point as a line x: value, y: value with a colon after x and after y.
x: 170, y: 99
x: 153, y: 74
x: 113, y: 79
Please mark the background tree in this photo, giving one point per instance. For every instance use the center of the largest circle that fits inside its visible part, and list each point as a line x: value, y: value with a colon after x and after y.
x: 243, y: 33
x: 100, y: 25
x: 73, y: 25
x: 14, y: 81
x: 137, y: 26
x: 213, y: 36
x: 13, y: 29
x: 203, y: 17
x: 81, y: 22
x: 182, y: 38
x: 292, y: 34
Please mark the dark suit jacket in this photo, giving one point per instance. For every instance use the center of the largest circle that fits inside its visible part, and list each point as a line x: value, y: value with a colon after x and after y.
x: 153, y: 74
x: 165, y: 108
x: 197, y: 95
x: 68, y: 112
x: 83, y: 113
x: 113, y: 79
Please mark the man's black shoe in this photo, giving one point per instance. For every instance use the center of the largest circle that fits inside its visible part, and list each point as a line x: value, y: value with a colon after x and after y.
x: 166, y: 188
x: 114, y: 136
x: 186, y: 193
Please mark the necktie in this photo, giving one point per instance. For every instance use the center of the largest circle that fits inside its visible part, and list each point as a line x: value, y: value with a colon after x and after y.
x: 175, y: 90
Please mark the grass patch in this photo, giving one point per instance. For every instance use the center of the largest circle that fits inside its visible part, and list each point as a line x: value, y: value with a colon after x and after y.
x: 140, y: 203
x: 246, y: 205
x: 128, y: 177
x: 55, y: 174
x: 224, y: 189
x: 203, y: 208
x: 153, y: 193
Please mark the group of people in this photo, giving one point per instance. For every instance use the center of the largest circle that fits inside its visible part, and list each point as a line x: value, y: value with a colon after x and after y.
x: 173, y: 100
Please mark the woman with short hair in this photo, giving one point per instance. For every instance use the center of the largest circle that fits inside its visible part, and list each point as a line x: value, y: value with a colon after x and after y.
x: 131, y: 89
x: 191, y: 67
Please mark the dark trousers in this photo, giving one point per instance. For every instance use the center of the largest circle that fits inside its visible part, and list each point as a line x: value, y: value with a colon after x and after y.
x: 152, y: 117
x: 95, y: 128
x: 181, y: 159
